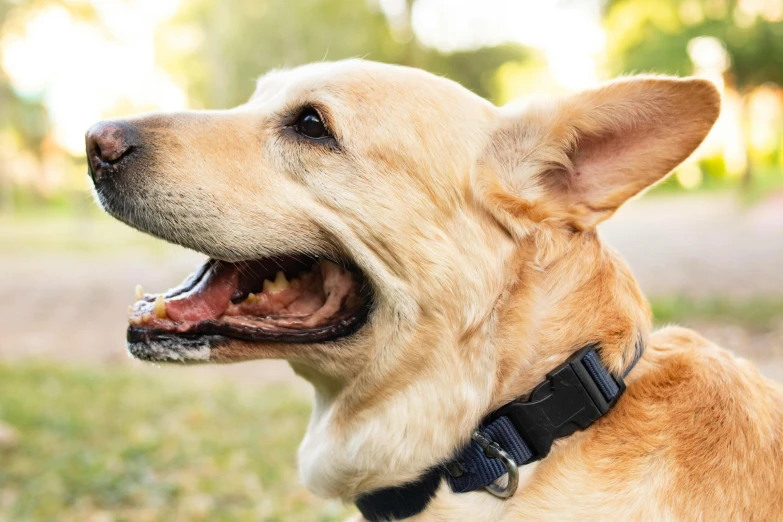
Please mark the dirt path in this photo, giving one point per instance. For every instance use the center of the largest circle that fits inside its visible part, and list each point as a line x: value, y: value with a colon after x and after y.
x: 65, y: 285
x: 701, y: 245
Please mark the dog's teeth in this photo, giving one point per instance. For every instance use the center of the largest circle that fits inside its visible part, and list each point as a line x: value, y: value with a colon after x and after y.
x: 146, y: 318
x: 280, y: 281
x: 160, y: 308
x: 251, y: 298
x: 131, y: 309
x: 139, y: 292
x: 134, y: 320
x: 278, y: 285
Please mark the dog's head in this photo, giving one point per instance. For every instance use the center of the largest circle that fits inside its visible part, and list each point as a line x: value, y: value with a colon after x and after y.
x: 380, y: 226
x: 329, y: 203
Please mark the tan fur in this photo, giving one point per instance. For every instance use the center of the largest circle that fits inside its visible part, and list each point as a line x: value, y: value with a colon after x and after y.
x: 476, y: 226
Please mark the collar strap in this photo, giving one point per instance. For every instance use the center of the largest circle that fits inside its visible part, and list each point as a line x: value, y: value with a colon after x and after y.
x: 574, y: 395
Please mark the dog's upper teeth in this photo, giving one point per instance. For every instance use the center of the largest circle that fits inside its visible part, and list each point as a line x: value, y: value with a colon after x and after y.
x: 251, y: 298
x: 160, y: 308
x: 139, y: 292
x: 278, y: 285
x: 281, y: 281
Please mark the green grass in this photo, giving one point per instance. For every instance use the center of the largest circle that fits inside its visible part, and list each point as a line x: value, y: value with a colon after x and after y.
x: 755, y: 314
x: 48, y: 234
x: 763, y: 181
x: 111, y: 444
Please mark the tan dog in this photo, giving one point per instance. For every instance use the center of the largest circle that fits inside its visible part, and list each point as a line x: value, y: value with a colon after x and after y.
x: 423, y: 257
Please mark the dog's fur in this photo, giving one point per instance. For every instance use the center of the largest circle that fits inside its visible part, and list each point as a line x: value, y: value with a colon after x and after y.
x: 476, y: 228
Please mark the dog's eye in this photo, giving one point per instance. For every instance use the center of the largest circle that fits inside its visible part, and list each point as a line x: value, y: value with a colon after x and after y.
x: 309, y: 124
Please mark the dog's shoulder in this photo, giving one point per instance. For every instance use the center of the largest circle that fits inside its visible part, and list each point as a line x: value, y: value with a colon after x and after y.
x: 679, y: 357
x: 712, y: 422
x: 698, y: 435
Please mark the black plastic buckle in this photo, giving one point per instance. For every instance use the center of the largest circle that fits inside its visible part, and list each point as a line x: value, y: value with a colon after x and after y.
x: 568, y: 400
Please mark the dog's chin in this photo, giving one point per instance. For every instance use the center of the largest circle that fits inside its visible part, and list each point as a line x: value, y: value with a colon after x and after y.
x: 262, y: 308
x: 174, y: 349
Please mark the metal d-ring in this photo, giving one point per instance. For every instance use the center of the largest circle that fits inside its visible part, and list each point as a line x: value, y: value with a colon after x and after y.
x: 493, y: 450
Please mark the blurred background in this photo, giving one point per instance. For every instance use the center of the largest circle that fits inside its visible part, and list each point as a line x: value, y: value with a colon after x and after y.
x: 88, y: 435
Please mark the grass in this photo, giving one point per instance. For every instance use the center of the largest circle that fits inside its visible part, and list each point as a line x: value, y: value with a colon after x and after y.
x: 108, y: 444
x: 87, y: 234
x: 764, y: 180
x: 754, y: 314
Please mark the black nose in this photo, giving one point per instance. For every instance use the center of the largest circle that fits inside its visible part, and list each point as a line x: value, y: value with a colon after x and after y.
x: 107, y: 143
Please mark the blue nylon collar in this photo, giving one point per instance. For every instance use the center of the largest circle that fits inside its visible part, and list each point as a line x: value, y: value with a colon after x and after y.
x: 573, y: 396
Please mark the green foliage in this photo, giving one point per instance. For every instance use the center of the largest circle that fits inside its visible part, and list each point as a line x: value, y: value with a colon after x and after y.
x: 653, y: 35
x: 476, y: 69
x: 26, y: 118
x: 235, y: 41
x: 104, y: 441
x: 239, y: 39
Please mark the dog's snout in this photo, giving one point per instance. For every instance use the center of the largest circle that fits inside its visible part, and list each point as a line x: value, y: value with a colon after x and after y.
x: 107, y: 143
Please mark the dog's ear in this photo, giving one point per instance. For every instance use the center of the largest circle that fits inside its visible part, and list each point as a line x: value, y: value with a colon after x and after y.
x: 579, y: 158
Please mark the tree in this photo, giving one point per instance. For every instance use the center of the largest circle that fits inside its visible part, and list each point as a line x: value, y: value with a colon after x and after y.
x: 237, y: 40
x: 653, y: 35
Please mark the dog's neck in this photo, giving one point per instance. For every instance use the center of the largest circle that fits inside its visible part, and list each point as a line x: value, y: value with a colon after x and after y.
x: 580, y: 292
x: 389, y: 431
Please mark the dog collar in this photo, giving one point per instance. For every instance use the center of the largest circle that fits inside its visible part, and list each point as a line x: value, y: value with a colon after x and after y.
x: 574, y: 395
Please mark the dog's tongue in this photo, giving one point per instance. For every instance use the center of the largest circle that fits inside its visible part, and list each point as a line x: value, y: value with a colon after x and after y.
x: 209, y: 299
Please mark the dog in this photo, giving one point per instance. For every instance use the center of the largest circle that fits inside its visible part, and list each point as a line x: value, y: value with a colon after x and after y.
x: 425, y: 258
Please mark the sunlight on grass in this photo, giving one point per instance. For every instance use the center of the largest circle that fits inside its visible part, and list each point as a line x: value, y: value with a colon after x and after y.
x: 108, y: 444
x: 68, y: 234
x: 756, y: 314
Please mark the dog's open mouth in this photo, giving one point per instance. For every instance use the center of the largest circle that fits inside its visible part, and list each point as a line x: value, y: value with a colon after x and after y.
x: 294, y: 299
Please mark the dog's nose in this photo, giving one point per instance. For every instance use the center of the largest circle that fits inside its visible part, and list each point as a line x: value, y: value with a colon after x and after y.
x: 107, y: 143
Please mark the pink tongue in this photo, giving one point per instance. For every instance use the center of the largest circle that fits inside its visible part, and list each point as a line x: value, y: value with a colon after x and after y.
x: 209, y: 299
